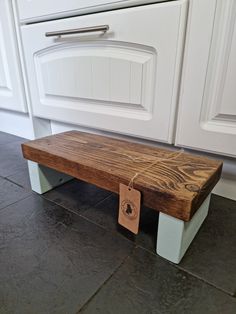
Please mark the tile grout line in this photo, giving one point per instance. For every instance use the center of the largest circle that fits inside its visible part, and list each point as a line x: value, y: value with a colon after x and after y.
x: 232, y: 295
x: 24, y: 167
x: 110, y: 231
x: 189, y: 273
x: 17, y: 184
x: 103, y: 200
x: 16, y: 202
x: 87, y: 219
x: 107, y: 280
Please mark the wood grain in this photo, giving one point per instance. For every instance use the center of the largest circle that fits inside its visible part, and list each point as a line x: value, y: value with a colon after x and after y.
x: 176, y: 184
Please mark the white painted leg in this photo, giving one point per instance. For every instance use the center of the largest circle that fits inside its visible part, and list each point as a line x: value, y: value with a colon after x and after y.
x: 174, y: 235
x: 43, y: 179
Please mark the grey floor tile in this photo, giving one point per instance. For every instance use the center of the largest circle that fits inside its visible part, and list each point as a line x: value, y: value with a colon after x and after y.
x: 11, y: 193
x: 106, y: 214
x: 6, y: 138
x: 147, y: 284
x: 11, y: 159
x: 52, y: 261
x: 212, y: 255
x: 76, y: 195
x: 21, y: 178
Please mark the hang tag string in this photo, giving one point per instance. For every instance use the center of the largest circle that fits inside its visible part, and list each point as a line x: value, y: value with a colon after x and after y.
x: 158, y: 160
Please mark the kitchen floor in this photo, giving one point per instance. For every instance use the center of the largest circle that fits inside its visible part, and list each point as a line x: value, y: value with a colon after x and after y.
x: 63, y: 252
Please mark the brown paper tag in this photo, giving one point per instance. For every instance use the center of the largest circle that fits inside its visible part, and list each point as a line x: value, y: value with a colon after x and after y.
x: 129, y: 209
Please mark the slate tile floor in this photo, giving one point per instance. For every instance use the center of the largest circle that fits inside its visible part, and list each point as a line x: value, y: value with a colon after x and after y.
x: 64, y: 252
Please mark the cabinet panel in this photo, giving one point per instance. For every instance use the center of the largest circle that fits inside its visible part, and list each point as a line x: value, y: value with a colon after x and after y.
x: 207, y: 118
x: 11, y: 85
x: 88, y: 77
x: 38, y: 10
x: 124, y: 80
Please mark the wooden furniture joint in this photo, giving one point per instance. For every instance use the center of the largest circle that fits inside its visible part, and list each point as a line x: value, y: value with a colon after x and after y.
x: 178, y: 186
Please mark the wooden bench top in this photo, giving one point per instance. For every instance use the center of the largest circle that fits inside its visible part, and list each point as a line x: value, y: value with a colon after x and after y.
x: 173, y: 183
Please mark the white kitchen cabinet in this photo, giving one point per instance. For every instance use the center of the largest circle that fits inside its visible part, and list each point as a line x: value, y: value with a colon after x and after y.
x: 34, y: 10
x: 124, y: 80
x: 207, y: 116
x: 11, y: 83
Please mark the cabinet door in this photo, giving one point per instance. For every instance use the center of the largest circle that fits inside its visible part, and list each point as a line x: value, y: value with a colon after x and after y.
x: 11, y: 84
x: 124, y: 80
x: 207, y: 117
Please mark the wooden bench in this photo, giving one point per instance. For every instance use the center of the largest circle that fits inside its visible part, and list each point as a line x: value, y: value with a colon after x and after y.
x: 178, y: 185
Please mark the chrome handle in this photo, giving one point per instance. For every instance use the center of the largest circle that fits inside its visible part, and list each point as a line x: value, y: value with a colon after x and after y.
x: 99, y: 28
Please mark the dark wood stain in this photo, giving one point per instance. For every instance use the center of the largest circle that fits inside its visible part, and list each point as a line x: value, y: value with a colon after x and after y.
x: 176, y: 184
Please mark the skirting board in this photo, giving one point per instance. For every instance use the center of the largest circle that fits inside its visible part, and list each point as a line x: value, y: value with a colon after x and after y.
x: 15, y: 123
x: 226, y: 187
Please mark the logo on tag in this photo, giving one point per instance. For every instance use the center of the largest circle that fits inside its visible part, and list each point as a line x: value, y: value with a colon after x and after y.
x: 129, y: 209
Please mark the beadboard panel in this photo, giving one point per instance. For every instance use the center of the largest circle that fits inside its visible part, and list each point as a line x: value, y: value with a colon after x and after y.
x: 94, y: 78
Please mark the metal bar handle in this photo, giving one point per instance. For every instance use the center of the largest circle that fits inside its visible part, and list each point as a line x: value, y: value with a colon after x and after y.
x: 82, y: 30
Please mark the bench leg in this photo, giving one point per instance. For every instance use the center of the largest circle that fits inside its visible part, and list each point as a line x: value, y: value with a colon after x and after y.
x: 174, y: 235
x: 43, y: 179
